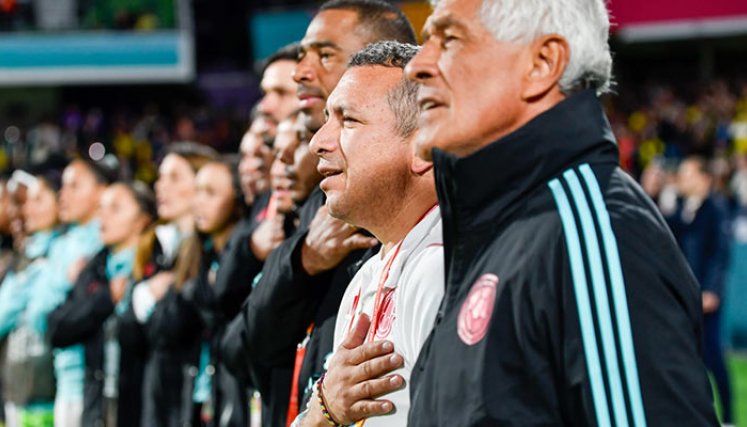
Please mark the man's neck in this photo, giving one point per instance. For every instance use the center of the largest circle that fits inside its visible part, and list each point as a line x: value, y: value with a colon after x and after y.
x: 406, y: 216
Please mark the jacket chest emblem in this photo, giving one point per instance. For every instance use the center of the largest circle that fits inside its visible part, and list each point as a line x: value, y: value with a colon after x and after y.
x: 477, y: 309
x: 386, y: 315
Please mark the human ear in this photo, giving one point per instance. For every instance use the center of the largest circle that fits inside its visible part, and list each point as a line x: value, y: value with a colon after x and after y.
x: 550, y: 55
x: 419, y: 166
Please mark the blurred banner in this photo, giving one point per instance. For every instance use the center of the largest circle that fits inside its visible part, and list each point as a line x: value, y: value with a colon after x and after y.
x: 54, y: 42
x: 646, y: 20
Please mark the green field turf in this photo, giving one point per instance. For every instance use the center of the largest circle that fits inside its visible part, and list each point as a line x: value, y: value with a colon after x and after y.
x: 738, y: 372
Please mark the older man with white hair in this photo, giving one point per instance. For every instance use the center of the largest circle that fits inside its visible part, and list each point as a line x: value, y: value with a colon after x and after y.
x: 567, y: 301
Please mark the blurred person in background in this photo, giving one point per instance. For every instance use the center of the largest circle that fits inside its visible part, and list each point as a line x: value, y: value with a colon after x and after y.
x: 303, y: 280
x: 199, y: 313
x: 278, y: 102
x: 100, y: 296
x: 6, y: 238
x: 167, y: 370
x: 256, y: 235
x: 17, y: 189
x: 256, y: 150
x: 279, y: 98
x: 29, y: 384
x: 700, y: 223
x: 83, y: 183
x: 294, y: 177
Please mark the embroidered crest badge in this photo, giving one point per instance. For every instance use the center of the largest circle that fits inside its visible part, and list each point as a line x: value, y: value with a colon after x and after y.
x: 477, y: 309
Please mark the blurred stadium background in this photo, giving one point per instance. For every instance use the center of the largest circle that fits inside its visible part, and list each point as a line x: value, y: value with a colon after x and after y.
x: 136, y: 75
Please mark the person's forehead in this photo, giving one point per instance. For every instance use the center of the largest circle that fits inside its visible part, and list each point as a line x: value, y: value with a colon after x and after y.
x: 213, y: 172
x: 249, y: 141
x: 280, y: 71
x: 76, y: 170
x: 364, y: 86
x: 113, y: 193
x: 453, y: 13
x: 173, y: 161
x: 335, y: 26
x: 287, y: 134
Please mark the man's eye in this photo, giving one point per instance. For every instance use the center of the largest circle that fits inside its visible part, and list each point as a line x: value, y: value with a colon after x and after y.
x: 448, y: 39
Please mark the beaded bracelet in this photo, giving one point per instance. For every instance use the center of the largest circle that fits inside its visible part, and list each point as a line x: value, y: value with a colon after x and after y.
x: 322, y: 406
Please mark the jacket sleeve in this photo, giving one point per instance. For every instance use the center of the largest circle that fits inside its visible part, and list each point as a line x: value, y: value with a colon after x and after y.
x: 234, y: 348
x: 130, y: 331
x: 13, y: 299
x: 238, y: 267
x: 627, y: 330
x: 174, y: 321
x: 278, y: 312
x: 275, y: 316
x: 84, y: 311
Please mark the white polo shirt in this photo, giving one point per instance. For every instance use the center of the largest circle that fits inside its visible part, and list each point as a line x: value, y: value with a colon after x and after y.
x: 410, y: 299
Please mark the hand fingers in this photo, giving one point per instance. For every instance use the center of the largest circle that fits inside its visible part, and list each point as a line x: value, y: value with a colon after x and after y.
x: 377, y: 367
x: 359, y: 241
x: 357, y: 335
x: 367, y: 351
x: 374, y: 388
x: 368, y: 408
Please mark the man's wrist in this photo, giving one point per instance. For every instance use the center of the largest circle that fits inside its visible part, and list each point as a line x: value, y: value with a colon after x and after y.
x: 328, y: 420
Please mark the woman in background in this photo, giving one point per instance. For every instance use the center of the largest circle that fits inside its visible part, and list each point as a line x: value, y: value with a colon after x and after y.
x: 29, y: 386
x: 218, y: 206
x: 83, y: 182
x: 167, y: 375
x: 100, y: 296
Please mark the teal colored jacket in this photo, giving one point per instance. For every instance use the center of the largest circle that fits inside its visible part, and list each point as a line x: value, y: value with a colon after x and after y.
x: 79, y: 242
x: 18, y: 286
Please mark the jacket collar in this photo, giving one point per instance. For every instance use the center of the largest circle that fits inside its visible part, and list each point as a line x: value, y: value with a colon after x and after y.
x: 488, y: 184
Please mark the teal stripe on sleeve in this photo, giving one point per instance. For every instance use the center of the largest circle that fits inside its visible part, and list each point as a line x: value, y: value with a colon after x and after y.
x: 619, y: 297
x: 601, y: 300
x: 582, y: 302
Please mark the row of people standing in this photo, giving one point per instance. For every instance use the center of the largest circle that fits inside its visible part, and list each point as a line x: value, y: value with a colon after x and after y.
x: 113, y: 308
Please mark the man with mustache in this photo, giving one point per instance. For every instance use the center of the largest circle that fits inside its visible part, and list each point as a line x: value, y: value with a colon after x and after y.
x: 300, y: 288
x: 567, y: 300
x: 374, y: 180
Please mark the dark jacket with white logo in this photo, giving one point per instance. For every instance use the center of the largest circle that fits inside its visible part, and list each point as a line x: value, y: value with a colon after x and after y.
x: 567, y: 300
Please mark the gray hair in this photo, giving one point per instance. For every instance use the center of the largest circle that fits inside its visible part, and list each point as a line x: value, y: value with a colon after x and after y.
x: 402, y: 98
x: 585, y: 24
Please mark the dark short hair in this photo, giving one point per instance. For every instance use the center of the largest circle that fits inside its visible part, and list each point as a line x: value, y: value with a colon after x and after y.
x: 382, y: 20
x: 402, y: 98
x: 285, y: 53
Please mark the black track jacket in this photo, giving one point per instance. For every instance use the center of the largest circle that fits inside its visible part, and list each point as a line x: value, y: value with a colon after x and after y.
x: 567, y: 300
